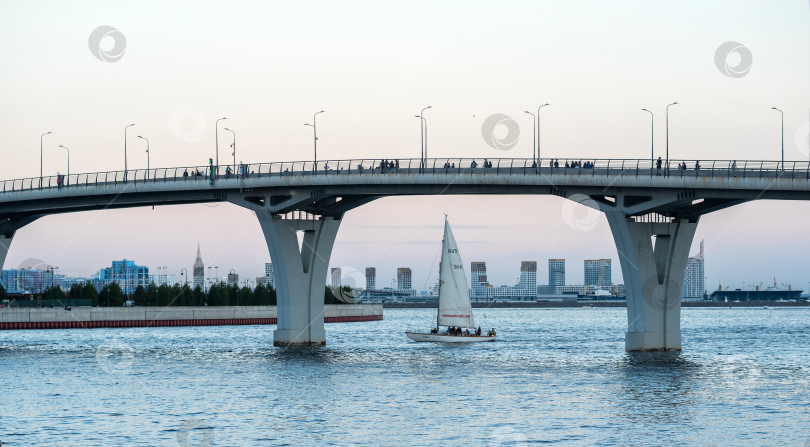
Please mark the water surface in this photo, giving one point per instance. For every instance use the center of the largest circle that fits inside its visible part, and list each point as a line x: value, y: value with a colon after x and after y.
x: 555, y: 377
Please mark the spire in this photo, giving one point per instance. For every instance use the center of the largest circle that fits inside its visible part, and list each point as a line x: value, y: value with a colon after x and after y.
x: 198, y: 263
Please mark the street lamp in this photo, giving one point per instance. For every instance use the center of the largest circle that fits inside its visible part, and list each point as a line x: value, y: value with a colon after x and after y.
x: 233, y: 145
x: 68, y: 152
x: 216, y: 270
x: 147, y: 155
x: 315, y: 138
x: 216, y: 143
x: 652, y: 137
x: 422, y: 125
x: 666, y: 172
x: 534, y: 136
x: 40, y: 156
x: 184, y: 275
x: 423, y: 134
x: 538, y: 129
x: 125, y: 151
x: 783, y: 136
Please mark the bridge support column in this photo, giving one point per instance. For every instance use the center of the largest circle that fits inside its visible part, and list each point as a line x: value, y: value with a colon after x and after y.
x: 653, y: 278
x: 300, y: 275
x: 5, y: 244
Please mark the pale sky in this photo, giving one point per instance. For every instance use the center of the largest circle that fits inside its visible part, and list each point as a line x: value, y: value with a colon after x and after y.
x: 268, y: 66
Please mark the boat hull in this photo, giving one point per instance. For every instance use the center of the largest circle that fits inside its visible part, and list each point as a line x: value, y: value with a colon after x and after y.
x: 442, y: 338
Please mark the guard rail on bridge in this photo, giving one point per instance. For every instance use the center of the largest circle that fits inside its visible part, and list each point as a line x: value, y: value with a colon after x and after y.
x: 498, y: 166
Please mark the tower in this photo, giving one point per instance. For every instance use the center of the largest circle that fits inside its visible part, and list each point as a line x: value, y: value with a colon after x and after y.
x: 556, y: 272
x: 371, y: 278
x: 199, y: 270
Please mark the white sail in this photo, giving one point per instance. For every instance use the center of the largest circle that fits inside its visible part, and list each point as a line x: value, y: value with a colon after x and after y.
x: 454, y: 298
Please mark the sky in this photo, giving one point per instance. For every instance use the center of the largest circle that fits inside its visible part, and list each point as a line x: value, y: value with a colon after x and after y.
x: 372, y: 66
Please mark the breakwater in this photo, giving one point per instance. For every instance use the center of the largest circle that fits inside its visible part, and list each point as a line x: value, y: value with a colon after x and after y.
x: 98, y: 317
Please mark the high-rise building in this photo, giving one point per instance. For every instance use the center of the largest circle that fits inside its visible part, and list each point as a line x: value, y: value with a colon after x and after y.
x: 26, y: 280
x: 233, y: 279
x: 556, y: 272
x: 694, y: 277
x: 371, y: 278
x: 598, y: 272
x: 126, y: 274
x: 478, y: 278
x: 336, y: 277
x: 528, y: 276
x: 269, y: 276
x: 162, y: 278
x: 404, y: 278
x: 198, y: 271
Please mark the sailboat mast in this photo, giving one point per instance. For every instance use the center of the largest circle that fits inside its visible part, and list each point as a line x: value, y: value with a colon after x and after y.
x: 439, y: 292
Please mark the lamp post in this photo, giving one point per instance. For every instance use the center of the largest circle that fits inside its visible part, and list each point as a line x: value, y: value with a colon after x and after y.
x: 185, y: 276
x: 783, y: 135
x: 147, y: 155
x: 216, y: 270
x: 422, y: 125
x: 314, y: 127
x: 68, y: 152
x: 538, y: 129
x: 216, y: 143
x: 125, y: 150
x: 233, y: 145
x: 534, y: 136
x: 210, y: 282
x: 423, y: 135
x: 666, y: 172
x: 40, y: 156
x: 652, y: 137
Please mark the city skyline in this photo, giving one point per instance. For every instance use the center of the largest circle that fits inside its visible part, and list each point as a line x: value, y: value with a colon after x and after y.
x: 272, y: 83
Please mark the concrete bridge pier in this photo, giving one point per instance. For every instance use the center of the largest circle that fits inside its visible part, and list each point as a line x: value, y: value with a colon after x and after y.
x: 5, y: 244
x: 300, y: 275
x: 653, y: 277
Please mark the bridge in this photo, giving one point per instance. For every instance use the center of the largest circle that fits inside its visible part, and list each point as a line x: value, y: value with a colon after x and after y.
x: 641, y: 201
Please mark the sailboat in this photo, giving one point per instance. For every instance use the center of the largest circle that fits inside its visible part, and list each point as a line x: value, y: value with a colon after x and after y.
x: 455, y: 309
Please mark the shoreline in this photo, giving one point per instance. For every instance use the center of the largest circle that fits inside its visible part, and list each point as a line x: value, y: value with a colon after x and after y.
x: 12, y: 318
x: 568, y: 305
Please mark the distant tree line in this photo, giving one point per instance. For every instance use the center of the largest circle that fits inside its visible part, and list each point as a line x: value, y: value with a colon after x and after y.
x: 219, y: 294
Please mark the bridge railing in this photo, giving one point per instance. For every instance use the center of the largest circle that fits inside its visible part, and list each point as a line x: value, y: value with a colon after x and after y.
x: 435, y: 166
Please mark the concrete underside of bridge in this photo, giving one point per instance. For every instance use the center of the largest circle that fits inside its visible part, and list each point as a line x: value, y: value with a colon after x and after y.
x: 300, y: 274
x: 653, y: 278
x: 5, y: 243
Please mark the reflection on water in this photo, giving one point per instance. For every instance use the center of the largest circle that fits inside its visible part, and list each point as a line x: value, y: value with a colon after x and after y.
x: 556, y: 376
